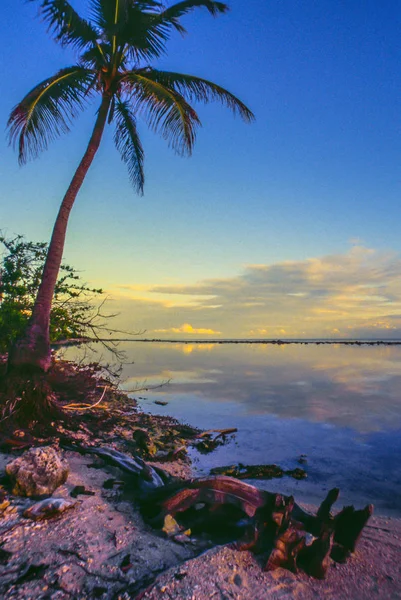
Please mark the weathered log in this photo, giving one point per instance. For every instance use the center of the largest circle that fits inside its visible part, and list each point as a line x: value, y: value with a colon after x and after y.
x: 323, y: 512
x: 259, y: 520
x: 315, y: 559
x: 218, y: 490
x: 348, y: 525
x: 275, y: 520
x: 147, y: 476
x: 314, y: 523
x: 287, y: 547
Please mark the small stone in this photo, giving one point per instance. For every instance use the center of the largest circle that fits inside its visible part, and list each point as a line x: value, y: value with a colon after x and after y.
x: 182, y: 539
x: 38, y: 472
x: 10, y: 510
x: 81, y: 490
x: 48, y: 508
x: 4, y: 505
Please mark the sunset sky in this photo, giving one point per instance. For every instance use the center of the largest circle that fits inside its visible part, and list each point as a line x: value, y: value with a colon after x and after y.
x: 289, y: 227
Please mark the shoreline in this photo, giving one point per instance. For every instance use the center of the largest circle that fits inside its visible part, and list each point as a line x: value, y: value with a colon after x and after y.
x: 279, y: 342
x: 102, y: 549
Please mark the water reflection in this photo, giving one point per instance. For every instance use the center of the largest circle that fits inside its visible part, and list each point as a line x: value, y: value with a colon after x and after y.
x: 340, y: 405
x: 347, y: 386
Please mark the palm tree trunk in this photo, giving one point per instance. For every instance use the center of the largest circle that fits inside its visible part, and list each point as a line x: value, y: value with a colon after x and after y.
x: 33, y: 349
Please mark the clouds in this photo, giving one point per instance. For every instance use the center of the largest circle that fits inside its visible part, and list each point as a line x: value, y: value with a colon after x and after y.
x: 357, y: 293
x: 187, y: 328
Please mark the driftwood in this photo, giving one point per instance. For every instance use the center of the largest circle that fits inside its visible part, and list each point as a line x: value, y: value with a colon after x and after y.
x: 269, y: 524
x: 219, y: 432
x: 209, y: 440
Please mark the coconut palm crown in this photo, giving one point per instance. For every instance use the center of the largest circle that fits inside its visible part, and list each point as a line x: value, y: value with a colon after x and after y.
x: 115, y: 48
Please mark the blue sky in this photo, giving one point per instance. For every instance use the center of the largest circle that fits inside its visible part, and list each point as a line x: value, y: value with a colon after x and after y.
x: 316, y: 175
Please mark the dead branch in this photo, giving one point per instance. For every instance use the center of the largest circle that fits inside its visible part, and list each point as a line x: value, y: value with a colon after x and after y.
x: 81, y: 406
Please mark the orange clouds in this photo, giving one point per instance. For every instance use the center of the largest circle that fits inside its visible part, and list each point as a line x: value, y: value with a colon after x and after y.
x: 187, y: 328
x: 355, y: 294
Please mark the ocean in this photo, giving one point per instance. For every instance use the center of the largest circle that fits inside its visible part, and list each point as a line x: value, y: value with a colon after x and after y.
x: 338, y: 406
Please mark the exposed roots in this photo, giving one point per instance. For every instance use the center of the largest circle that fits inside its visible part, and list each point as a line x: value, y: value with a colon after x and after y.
x: 26, y: 398
x: 75, y: 403
x: 34, y: 404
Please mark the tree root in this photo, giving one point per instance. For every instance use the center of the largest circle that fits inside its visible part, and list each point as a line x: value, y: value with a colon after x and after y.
x: 273, y: 522
x: 27, y: 398
x: 34, y: 405
x: 252, y: 519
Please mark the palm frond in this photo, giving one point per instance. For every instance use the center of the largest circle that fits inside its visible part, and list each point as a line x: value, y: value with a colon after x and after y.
x: 165, y: 110
x: 161, y: 24
x: 66, y: 25
x: 48, y: 109
x: 145, y: 35
x: 96, y: 57
x: 172, y: 14
x: 112, y: 15
x: 186, y: 6
x: 129, y: 24
x: 128, y: 144
x: 199, y: 90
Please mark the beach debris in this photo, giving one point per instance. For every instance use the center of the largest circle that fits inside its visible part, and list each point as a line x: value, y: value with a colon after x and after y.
x: 315, y: 558
x: 179, y: 452
x: 38, y: 472
x: 148, y: 476
x: 168, y: 455
x: 296, y: 473
x: 152, y: 440
x: 163, y: 436
x: 78, y: 406
x: 237, y: 513
x: 80, y: 490
x: 109, y: 484
x: 349, y: 524
x: 48, y: 508
x: 4, y: 502
x: 219, y: 432
x: 143, y: 442
x: 171, y: 527
x: 211, y: 439
x: 287, y: 547
x: 262, y: 521
x: 241, y: 471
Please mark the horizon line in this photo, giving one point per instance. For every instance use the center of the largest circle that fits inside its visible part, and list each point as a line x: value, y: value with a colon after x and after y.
x: 276, y: 341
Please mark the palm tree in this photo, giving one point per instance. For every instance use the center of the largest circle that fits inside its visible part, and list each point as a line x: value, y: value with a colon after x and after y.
x: 115, y: 48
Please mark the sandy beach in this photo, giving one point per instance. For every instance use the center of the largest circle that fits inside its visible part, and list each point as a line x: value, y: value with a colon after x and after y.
x: 102, y: 549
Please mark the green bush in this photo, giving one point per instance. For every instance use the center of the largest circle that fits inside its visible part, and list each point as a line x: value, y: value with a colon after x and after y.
x: 73, y: 313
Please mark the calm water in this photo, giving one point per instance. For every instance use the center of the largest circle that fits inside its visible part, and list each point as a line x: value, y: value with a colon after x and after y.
x: 339, y: 405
